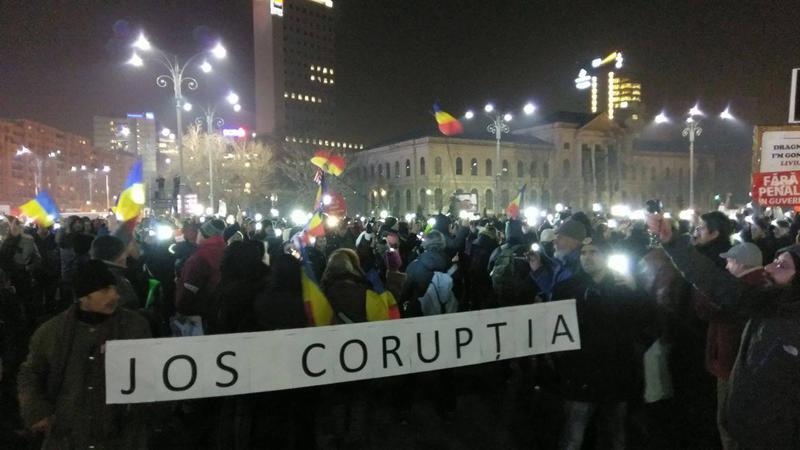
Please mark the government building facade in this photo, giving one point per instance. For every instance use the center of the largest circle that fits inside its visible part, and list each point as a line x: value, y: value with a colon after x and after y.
x: 576, y: 159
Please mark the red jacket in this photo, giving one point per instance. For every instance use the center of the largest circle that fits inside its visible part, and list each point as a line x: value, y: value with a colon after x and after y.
x: 199, y: 277
x: 725, y: 333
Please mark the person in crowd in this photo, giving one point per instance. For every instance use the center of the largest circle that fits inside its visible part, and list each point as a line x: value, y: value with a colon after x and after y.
x: 509, y: 271
x: 61, y: 383
x: 49, y: 270
x: 547, y: 272
x: 760, y: 233
x: 762, y: 408
x: 480, y: 292
x: 597, y: 381
x: 114, y: 254
x: 345, y: 285
x: 243, y: 276
x: 201, y: 273
x: 712, y: 236
x: 186, y: 247
x: 394, y: 277
x: 316, y: 254
x: 19, y: 258
x: 420, y: 272
x: 783, y: 236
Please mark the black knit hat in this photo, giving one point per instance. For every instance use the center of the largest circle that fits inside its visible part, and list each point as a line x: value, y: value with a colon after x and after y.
x: 213, y: 227
x: 92, y: 276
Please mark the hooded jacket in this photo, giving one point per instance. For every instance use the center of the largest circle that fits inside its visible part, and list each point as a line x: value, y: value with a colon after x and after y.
x: 418, y: 276
x: 200, y: 277
x: 763, y: 409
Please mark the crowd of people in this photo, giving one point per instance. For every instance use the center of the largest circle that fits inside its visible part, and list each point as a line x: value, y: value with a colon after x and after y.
x: 689, y: 329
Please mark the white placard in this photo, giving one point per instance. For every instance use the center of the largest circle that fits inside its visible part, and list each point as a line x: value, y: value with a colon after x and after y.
x: 780, y: 151
x: 151, y: 370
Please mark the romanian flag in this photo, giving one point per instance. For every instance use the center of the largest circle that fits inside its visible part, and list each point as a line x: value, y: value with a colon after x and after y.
x: 316, y: 226
x: 448, y: 125
x: 332, y: 164
x: 512, y: 210
x: 132, y: 199
x: 318, y: 310
x: 321, y: 191
x: 41, y: 209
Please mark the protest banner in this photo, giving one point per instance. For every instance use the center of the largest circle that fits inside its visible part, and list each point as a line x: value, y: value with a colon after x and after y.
x: 152, y: 370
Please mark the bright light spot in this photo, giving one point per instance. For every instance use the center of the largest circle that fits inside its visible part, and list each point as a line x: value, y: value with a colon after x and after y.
x: 237, y: 107
x: 230, y: 220
x: 326, y: 199
x: 202, y: 219
x: 535, y: 247
x: 164, y: 232
x: 726, y: 115
x: 619, y: 263
x: 137, y: 194
x: 559, y: 207
x: 232, y: 98
x: 332, y: 221
x: 596, y: 62
x: 428, y: 192
x: 488, y: 108
x: 205, y: 67
x: 209, y: 211
x: 125, y: 131
x: 686, y: 214
x: 550, y: 218
x: 469, y: 115
x: 597, y: 207
x: 612, y: 223
x: 507, y: 117
x: 142, y: 43
x: 136, y: 61
x: 695, y: 111
x: 219, y: 51
x: 431, y: 221
x: 383, y: 192
x: 165, y: 132
x: 187, y: 106
x: 637, y: 215
x: 259, y: 226
x: 661, y: 118
x: 383, y: 214
x: 278, y: 232
x: 168, y: 161
x: 531, y: 212
x: 689, y: 119
x: 543, y: 213
x: 274, y: 212
x: 258, y: 217
x: 410, y: 217
x: 529, y: 108
x: 298, y: 217
x: 667, y: 215
x: 463, y: 214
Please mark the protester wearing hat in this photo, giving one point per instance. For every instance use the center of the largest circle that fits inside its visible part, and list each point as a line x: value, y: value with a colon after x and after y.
x: 420, y: 272
x: 547, y: 272
x: 113, y: 252
x: 762, y: 409
x: 201, y: 272
x: 597, y: 381
x: 62, y: 382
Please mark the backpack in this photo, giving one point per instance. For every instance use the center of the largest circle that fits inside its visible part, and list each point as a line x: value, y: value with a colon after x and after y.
x: 509, y: 278
x: 439, y: 297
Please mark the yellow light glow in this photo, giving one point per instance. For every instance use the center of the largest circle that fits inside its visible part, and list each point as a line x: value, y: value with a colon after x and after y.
x: 610, y: 95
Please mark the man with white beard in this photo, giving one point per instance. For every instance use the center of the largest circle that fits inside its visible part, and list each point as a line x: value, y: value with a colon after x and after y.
x: 547, y: 272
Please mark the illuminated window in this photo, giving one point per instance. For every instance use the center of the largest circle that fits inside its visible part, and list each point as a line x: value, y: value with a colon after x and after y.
x: 408, y: 168
x: 473, y: 167
x: 312, y: 77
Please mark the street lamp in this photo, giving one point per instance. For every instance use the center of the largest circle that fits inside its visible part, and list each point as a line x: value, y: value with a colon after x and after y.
x: 90, y: 174
x: 691, y: 131
x: 211, y: 120
x: 175, y: 77
x: 106, y: 170
x: 498, y: 126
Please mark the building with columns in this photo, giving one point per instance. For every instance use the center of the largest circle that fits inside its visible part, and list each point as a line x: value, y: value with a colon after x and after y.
x: 572, y: 158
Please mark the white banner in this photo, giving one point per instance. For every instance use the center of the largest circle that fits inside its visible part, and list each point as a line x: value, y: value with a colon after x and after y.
x: 780, y: 151
x: 151, y: 370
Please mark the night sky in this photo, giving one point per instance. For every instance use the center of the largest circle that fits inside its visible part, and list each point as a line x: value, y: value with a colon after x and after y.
x: 62, y: 62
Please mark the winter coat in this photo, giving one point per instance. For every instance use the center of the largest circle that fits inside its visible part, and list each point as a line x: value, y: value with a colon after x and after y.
x: 418, y: 276
x: 347, y: 295
x: 725, y: 331
x: 763, y: 408
x: 439, y: 297
x: 127, y: 295
x: 200, y: 277
x: 64, y: 377
x: 554, y: 271
x: 605, y: 369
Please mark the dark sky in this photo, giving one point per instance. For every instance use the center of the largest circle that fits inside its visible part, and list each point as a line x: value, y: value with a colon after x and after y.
x: 61, y: 61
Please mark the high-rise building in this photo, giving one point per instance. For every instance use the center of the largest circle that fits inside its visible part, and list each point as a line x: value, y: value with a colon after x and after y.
x: 135, y: 134
x: 295, y: 74
x: 610, y: 89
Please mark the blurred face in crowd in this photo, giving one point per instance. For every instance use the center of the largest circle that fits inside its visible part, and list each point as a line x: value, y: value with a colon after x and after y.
x: 734, y: 267
x: 321, y: 242
x: 756, y: 232
x: 782, y: 270
x: 15, y: 227
x: 42, y: 231
x: 781, y: 232
x: 77, y: 226
x: 702, y: 235
x: 103, y: 301
x: 593, y: 261
x: 565, y: 245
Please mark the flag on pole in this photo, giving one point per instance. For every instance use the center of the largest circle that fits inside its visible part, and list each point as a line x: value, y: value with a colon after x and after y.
x: 132, y: 199
x: 41, y: 209
x: 332, y: 164
x: 512, y: 210
x: 448, y: 125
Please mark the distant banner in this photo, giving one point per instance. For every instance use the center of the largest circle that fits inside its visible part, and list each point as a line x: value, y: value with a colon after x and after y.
x: 776, y: 188
x: 152, y: 370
